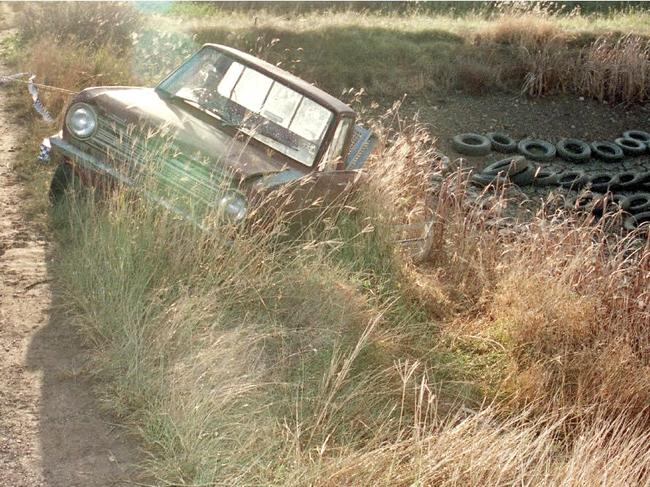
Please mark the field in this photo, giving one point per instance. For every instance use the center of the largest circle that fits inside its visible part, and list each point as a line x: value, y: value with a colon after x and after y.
x: 518, y: 353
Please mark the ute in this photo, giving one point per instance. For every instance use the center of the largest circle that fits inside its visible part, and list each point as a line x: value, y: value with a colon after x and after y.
x: 222, y: 129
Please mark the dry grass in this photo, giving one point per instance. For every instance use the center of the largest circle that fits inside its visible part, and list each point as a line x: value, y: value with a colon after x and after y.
x: 518, y: 353
x: 95, y: 24
x: 71, y: 66
x: 310, y: 361
x: 616, y: 70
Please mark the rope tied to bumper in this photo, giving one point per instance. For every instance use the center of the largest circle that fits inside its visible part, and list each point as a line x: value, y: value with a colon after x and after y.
x: 32, y: 88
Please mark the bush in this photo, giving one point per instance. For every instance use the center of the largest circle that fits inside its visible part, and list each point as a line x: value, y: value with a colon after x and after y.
x: 93, y: 24
x: 69, y: 65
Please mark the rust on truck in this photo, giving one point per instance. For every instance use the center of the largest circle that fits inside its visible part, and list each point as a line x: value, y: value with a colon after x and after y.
x: 221, y: 129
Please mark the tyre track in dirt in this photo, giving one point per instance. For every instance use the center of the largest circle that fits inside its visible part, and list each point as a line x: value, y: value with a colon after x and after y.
x: 51, y: 432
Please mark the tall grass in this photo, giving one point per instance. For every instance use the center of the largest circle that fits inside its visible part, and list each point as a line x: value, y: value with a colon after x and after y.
x: 327, y: 358
x: 531, y: 47
x: 517, y: 352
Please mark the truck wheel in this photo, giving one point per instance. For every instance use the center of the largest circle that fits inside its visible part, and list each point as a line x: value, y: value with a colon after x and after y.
x: 62, y: 181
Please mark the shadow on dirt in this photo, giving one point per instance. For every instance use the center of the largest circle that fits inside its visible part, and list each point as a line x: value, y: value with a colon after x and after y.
x: 79, y: 445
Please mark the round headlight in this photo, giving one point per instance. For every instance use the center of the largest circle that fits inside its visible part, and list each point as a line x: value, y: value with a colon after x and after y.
x: 81, y: 120
x: 233, y: 205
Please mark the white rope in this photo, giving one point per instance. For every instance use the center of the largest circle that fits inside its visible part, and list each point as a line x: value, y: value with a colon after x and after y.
x: 33, y: 91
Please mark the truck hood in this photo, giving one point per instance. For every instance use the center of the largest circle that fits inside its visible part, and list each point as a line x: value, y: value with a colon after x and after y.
x: 193, y: 133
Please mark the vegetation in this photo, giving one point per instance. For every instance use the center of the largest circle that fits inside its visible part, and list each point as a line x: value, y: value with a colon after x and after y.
x: 518, y: 353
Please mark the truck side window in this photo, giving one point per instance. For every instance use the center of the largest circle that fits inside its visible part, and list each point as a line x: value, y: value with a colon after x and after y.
x: 334, y: 152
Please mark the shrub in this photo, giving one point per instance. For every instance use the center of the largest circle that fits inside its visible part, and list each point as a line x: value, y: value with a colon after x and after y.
x: 72, y: 67
x: 93, y: 24
x: 615, y: 70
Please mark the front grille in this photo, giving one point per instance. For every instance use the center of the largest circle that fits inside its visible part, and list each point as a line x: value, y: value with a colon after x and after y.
x: 153, y: 161
x: 363, y: 142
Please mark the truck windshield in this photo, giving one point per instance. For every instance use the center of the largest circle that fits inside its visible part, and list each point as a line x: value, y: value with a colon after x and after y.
x: 260, y: 106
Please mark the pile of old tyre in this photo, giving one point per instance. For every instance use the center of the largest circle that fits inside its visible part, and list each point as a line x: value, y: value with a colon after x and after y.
x: 600, y: 185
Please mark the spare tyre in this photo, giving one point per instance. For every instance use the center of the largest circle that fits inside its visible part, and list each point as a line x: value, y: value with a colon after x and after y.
x: 636, y: 203
x: 633, y: 222
x: 601, y: 182
x: 502, y: 142
x: 509, y: 166
x: 574, y: 150
x: 631, y: 147
x: 544, y: 177
x: 640, y: 135
x: 572, y: 179
x: 606, y: 151
x: 471, y: 144
x: 536, y: 149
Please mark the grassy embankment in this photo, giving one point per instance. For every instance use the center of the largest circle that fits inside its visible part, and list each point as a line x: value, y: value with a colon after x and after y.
x: 510, y: 357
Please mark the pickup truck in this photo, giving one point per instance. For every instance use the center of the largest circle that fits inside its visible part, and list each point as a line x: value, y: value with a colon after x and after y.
x: 222, y: 129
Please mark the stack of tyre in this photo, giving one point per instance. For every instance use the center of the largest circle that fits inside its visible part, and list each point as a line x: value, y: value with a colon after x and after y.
x: 628, y: 190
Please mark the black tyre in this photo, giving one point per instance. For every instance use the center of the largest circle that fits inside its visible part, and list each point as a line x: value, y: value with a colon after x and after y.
x: 633, y: 222
x: 544, y: 177
x: 639, y: 135
x: 574, y: 150
x: 482, y: 180
x: 536, y: 149
x: 63, y: 180
x: 631, y: 147
x: 644, y: 181
x: 526, y: 177
x: 572, y: 179
x: 590, y: 202
x: 507, y: 167
x: 609, y: 203
x: 502, y: 142
x: 606, y: 151
x: 601, y: 182
x: 471, y: 144
x: 628, y: 180
x: 637, y: 203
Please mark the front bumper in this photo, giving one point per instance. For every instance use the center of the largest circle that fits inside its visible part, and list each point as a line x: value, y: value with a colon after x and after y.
x: 59, y: 148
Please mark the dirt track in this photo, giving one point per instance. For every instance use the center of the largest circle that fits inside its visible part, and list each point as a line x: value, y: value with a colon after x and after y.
x: 51, y: 433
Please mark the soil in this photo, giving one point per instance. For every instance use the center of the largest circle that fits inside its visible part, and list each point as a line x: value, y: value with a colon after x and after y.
x: 552, y: 119
x: 51, y: 430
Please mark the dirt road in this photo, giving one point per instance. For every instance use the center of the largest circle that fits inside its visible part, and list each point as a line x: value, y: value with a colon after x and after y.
x: 51, y: 433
